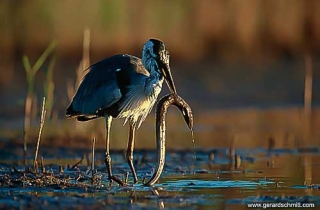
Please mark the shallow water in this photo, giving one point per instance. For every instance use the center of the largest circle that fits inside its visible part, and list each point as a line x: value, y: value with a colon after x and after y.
x: 213, y: 179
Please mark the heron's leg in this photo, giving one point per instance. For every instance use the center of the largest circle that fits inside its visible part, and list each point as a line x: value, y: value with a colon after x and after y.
x: 108, y: 157
x: 130, y: 152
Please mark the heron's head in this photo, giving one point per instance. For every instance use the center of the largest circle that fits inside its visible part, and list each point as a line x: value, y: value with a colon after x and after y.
x: 155, y: 50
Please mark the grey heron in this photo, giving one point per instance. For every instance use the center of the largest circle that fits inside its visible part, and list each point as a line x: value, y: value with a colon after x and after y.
x: 161, y: 110
x: 123, y: 86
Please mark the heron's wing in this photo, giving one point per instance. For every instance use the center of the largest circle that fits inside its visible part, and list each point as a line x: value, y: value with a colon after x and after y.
x: 99, y: 88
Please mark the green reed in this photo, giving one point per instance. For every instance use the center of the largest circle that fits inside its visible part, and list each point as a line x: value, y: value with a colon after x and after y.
x: 31, y: 72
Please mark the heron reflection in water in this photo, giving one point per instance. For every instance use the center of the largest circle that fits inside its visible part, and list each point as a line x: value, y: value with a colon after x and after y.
x: 123, y: 86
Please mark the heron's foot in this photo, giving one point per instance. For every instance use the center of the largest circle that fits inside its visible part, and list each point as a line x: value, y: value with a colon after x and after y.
x: 116, y: 179
x: 110, y: 181
x: 135, y: 179
x: 133, y: 171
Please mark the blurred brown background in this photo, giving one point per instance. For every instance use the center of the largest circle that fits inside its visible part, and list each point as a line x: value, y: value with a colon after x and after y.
x: 234, y: 61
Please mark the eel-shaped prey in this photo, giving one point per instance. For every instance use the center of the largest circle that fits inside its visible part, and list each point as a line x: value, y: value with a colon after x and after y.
x: 161, y: 110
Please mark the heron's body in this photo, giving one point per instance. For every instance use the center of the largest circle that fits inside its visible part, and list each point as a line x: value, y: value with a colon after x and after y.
x: 123, y: 86
x: 119, y: 86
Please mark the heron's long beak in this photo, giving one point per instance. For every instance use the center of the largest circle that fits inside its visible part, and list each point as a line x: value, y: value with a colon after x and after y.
x: 168, y: 77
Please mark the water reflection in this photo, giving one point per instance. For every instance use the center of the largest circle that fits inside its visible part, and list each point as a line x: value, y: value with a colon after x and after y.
x: 217, y: 178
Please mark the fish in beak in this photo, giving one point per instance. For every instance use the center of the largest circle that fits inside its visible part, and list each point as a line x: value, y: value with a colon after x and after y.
x: 161, y: 111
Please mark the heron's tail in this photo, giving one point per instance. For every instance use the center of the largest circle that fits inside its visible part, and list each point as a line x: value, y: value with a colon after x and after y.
x: 71, y: 113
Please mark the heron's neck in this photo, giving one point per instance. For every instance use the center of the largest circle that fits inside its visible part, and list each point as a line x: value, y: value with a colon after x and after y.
x: 150, y: 64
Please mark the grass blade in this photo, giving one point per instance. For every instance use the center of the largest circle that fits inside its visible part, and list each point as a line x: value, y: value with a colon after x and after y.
x: 26, y: 63
x: 44, y: 56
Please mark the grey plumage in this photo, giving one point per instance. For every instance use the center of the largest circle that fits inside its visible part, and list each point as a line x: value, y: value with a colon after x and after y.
x: 123, y: 86
x: 119, y: 86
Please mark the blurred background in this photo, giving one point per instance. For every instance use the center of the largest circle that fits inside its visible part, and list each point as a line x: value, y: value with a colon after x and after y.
x: 240, y: 64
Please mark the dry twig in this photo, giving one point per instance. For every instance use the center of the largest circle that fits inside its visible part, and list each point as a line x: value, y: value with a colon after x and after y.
x: 42, y: 121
